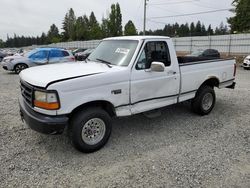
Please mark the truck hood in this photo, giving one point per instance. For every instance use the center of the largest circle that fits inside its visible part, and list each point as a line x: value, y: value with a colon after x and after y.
x: 44, y: 75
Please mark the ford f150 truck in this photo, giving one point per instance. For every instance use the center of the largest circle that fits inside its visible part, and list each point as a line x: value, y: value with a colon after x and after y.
x: 123, y: 76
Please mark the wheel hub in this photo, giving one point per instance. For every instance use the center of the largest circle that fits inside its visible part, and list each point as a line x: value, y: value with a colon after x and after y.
x: 93, y: 131
x: 207, y: 101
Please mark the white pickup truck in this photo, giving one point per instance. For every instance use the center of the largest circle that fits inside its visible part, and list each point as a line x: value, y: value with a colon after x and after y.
x: 122, y: 77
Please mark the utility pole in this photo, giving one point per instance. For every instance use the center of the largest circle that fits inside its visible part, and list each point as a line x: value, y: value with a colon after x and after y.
x: 145, y: 14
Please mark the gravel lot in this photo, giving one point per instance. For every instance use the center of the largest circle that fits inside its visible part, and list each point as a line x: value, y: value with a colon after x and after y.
x: 177, y: 149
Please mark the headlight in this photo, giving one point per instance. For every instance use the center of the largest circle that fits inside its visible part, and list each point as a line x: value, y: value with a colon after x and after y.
x: 46, y: 100
x: 8, y: 60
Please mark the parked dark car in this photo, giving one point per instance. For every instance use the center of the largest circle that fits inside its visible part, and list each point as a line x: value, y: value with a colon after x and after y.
x: 78, y: 50
x: 2, y: 55
x: 200, y: 55
x: 206, y: 53
x: 81, y: 56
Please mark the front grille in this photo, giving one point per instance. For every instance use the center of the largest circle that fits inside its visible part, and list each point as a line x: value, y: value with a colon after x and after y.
x: 27, y: 92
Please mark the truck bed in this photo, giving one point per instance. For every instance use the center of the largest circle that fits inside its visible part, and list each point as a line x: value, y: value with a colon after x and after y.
x: 190, y: 59
x: 194, y: 73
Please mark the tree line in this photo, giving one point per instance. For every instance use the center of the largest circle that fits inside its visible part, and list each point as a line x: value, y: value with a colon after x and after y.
x: 88, y: 28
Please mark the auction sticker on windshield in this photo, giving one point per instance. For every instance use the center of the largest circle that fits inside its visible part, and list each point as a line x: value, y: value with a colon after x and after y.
x: 122, y: 51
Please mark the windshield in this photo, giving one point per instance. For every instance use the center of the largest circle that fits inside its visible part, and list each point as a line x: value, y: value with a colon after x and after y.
x: 27, y: 54
x: 197, y: 53
x: 115, y: 52
x: 87, y: 51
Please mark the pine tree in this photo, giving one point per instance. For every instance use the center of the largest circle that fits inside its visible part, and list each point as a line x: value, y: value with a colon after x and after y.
x: 198, y: 29
x: 241, y: 21
x: 69, y: 25
x: 130, y: 29
x: 94, y: 27
x: 105, y: 28
x: 192, y: 29
x: 203, y: 30
x: 115, y: 21
x: 53, y: 34
x: 210, y: 31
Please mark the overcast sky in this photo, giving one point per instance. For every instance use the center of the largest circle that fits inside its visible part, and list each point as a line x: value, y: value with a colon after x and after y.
x: 32, y: 17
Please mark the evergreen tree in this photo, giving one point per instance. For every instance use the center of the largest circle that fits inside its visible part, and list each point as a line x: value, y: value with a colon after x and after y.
x: 81, y: 28
x: 105, y: 28
x: 69, y: 25
x: 210, y: 31
x: 1, y: 43
x: 130, y: 29
x: 241, y: 21
x: 115, y: 21
x: 198, y: 29
x: 183, y: 30
x: 53, y: 34
x: 94, y: 27
x: 192, y: 29
x: 43, y: 38
x: 203, y: 30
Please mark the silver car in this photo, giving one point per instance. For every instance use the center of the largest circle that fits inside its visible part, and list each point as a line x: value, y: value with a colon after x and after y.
x: 39, y: 56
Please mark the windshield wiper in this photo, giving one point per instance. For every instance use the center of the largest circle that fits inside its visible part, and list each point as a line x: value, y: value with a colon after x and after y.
x: 105, y: 62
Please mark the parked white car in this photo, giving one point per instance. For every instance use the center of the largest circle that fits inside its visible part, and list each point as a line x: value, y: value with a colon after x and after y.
x: 246, y: 63
x: 122, y: 77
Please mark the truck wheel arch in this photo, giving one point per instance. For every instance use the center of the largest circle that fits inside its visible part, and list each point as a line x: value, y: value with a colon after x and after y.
x: 212, y: 82
x: 107, y: 106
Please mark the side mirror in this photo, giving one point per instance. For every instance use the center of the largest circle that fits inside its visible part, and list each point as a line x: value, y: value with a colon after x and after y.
x: 157, y: 67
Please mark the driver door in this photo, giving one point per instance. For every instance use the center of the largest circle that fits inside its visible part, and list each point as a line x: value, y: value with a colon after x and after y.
x: 151, y: 90
x: 39, y: 58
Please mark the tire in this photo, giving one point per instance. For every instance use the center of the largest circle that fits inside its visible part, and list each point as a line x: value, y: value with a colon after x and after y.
x: 19, y: 67
x: 246, y: 68
x: 204, y: 101
x: 83, y: 135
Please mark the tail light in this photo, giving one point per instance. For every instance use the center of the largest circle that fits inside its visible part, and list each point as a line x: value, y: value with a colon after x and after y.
x: 234, y: 70
x: 72, y: 59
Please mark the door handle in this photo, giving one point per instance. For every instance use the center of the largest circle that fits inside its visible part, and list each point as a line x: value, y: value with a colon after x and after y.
x: 171, y: 72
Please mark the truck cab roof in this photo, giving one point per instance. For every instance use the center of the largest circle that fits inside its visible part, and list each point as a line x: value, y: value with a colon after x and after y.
x: 141, y: 37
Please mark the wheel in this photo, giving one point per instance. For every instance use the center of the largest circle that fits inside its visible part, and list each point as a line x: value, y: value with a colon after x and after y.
x: 19, y: 67
x: 204, y: 101
x: 246, y: 68
x: 90, y: 129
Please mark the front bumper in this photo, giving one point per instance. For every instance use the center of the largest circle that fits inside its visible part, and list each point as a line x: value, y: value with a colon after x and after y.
x: 7, y: 66
x: 246, y: 65
x: 42, y: 123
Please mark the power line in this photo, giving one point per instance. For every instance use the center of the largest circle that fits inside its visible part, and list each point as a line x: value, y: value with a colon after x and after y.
x: 190, y: 14
x: 173, y: 3
x: 164, y: 23
x: 175, y: 12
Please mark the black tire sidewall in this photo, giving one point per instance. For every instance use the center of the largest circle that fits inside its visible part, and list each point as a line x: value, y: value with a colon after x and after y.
x: 78, y: 122
x: 20, y: 70
x: 197, y: 102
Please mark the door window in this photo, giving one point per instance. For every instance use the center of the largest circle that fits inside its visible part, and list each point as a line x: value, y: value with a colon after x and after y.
x: 65, y: 53
x: 153, y: 51
x: 40, y: 55
x: 55, y: 53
